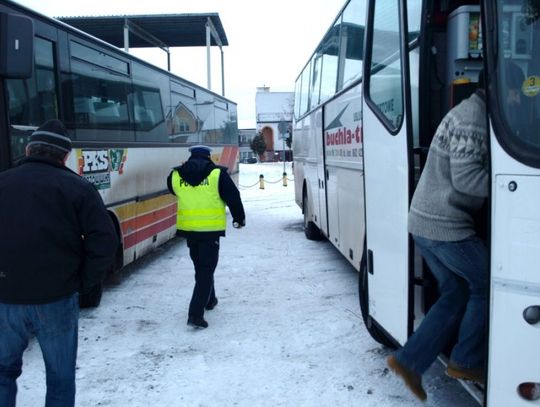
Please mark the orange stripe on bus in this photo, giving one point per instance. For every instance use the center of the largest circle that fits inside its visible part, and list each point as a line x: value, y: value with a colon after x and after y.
x: 143, y: 234
x: 131, y: 210
x: 142, y: 221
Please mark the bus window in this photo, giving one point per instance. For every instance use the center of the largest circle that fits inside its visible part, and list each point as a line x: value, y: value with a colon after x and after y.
x: 99, y: 103
x: 99, y: 86
x: 329, y: 50
x: 147, y: 110
x: 183, y: 125
x: 33, y: 101
x: 414, y: 18
x: 352, y: 42
x: 297, y: 88
x: 518, y: 71
x: 315, y: 91
x: 385, y: 91
x: 304, y: 93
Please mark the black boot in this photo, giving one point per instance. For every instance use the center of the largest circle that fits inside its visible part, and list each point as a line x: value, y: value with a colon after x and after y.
x: 197, y: 322
x: 211, y: 304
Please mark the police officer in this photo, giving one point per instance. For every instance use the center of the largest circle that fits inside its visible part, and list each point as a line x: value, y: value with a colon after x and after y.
x: 203, y: 190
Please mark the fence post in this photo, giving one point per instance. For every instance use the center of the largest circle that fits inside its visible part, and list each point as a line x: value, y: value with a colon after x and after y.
x: 284, y: 179
x: 261, y: 181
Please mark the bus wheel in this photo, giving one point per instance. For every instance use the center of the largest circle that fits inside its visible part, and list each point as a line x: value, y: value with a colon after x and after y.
x: 311, y: 230
x: 92, y: 298
x: 376, y: 333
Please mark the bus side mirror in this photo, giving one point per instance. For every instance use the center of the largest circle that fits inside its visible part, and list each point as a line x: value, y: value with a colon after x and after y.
x: 16, y: 46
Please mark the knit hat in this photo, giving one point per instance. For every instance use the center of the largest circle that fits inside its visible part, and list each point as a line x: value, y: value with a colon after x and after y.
x: 52, y: 133
x: 200, y: 150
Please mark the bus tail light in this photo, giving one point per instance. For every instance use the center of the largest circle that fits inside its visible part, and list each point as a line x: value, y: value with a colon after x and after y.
x: 529, y: 391
x: 532, y: 314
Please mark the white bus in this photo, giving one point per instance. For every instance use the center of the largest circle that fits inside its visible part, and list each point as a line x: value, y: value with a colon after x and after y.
x: 130, y: 122
x: 367, y: 105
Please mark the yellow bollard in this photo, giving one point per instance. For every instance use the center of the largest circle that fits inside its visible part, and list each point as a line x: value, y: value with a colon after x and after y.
x: 284, y: 179
x: 261, y: 181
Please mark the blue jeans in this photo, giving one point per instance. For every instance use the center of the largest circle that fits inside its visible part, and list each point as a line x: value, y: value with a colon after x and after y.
x: 461, y: 269
x: 55, y: 326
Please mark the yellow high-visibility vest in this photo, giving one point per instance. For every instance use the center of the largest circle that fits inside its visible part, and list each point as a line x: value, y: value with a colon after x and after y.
x: 200, y: 208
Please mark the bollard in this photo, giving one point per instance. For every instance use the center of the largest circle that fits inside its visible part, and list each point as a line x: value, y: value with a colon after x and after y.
x: 284, y: 179
x: 261, y: 181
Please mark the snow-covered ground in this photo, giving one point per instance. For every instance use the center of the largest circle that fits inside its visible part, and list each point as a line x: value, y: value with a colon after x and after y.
x: 287, y: 330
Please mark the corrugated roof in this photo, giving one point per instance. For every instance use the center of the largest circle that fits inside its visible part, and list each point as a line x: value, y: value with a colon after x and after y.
x: 174, y: 30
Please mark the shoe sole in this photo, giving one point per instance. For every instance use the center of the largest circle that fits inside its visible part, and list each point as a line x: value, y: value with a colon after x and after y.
x: 396, y: 367
x: 197, y: 326
x: 456, y: 374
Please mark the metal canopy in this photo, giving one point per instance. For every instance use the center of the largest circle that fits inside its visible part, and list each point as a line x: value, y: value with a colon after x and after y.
x: 160, y: 30
x: 174, y: 30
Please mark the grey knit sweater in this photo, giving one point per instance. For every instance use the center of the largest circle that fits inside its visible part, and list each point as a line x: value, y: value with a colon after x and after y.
x: 454, y: 182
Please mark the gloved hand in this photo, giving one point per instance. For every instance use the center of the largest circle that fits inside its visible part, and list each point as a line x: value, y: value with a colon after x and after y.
x: 239, y: 225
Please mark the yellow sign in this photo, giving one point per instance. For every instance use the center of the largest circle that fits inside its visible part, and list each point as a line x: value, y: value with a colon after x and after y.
x: 531, y: 86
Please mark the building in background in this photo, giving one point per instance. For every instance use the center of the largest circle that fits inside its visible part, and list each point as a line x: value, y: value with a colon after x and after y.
x: 272, y: 108
x: 244, y: 140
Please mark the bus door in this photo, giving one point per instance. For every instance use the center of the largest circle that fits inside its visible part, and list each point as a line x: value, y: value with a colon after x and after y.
x: 321, y: 175
x: 386, y: 125
x: 514, y: 100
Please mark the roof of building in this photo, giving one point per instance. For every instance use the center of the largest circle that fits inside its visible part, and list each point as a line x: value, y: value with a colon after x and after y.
x: 173, y: 30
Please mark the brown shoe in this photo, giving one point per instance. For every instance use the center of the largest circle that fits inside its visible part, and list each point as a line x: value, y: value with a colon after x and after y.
x: 464, y: 373
x: 412, y: 380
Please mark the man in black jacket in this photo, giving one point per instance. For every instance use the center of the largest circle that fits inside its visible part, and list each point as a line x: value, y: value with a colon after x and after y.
x: 57, y: 240
x: 203, y: 190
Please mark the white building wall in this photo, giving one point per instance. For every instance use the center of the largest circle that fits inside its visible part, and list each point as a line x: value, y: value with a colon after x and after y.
x: 272, y: 108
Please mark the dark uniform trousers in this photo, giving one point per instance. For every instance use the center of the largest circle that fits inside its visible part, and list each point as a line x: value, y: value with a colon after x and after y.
x: 204, y: 253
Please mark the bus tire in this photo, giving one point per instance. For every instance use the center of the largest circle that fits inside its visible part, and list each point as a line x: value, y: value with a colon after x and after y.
x: 92, y: 298
x: 311, y: 230
x: 363, y: 294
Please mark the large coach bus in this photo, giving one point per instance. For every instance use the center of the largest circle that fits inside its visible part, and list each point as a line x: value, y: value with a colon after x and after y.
x: 130, y: 122
x: 367, y: 105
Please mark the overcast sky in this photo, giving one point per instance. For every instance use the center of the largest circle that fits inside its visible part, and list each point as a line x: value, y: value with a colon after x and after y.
x: 269, y: 41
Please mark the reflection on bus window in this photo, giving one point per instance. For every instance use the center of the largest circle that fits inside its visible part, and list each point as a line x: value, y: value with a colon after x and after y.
x: 518, y: 71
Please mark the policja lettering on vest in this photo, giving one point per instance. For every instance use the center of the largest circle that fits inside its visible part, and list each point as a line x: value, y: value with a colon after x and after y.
x: 200, y: 208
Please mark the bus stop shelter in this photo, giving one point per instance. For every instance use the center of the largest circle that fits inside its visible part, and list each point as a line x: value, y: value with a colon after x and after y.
x: 161, y: 30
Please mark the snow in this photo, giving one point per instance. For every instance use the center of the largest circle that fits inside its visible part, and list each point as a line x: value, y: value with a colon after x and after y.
x: 287, y: 330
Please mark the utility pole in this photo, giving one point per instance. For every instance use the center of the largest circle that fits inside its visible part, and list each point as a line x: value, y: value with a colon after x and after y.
x: 282, y: 127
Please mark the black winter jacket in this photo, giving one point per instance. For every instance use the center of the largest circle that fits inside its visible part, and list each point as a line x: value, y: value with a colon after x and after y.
x: 194, y: 171
x: 56, y: 237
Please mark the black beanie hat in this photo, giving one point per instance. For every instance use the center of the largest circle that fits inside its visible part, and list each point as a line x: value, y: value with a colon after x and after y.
x: 52, y: 133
